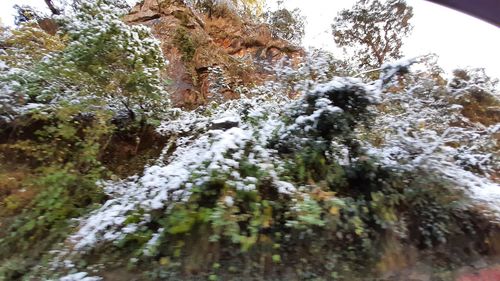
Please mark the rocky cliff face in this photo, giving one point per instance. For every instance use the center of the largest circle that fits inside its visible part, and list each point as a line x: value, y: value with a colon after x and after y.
x: 222, y: 51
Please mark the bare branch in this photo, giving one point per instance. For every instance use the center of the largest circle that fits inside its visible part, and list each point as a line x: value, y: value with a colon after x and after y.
x: 52, y: 8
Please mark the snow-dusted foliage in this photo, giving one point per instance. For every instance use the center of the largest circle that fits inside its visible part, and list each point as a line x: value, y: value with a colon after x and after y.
x: 217, y: 84
x: 422, y: 127
x: 316, y: 67
x: 123, y: 61
x: 331, y: 112
x: 210, y: 143
x: 242, y: 145
x: 104, y: 62
x: 464, y: 80
x: 220, y: 144
x: 71, y: 92
x: 262, y: 140
x: 286, y: 24
x: 12, y: 99
x: 305, y: 152
x: 18, y: 60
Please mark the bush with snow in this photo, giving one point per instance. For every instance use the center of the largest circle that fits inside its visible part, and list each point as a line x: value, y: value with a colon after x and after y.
x: 342, y: 164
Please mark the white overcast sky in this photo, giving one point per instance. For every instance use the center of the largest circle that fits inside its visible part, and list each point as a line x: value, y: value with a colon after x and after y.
x: 459, y: 40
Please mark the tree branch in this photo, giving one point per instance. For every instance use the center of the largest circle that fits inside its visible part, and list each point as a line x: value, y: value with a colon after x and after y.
x: 52, y: 8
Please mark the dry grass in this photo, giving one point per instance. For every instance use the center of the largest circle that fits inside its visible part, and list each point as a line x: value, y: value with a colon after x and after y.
x: 481, y: 107
x: 16, y: 192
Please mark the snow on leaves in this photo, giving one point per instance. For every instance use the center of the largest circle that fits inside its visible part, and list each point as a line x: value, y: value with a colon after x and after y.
x: 211, y: 149
x: 102, y: 62
x: 416, y: 128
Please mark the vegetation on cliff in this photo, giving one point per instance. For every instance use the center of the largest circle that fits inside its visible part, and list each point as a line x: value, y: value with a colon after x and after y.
x: 303, y: 172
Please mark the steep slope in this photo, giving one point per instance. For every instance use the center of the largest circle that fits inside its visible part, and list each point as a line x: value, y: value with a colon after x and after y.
x: 291, y: 171
x: 267, y: 188
x: 210, y: 57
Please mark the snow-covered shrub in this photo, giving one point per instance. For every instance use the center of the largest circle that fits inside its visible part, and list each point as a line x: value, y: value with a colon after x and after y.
x: 332, y: 110
x: 217, y: 84
x: 316, y: 67
x: 423, y: 127
x: 23, y: 49
x: 478, y: 95
x: 290, y: 169
x: 121, y: 63
x: 59, y: 100
x: 102, y: 63
x: 339, y: 168
x: 286, y: 24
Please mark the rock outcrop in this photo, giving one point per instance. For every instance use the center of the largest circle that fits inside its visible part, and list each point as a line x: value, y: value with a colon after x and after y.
x: 210, y: 57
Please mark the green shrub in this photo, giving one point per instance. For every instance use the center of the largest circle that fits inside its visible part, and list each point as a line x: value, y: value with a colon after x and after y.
x: 185, y: 43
